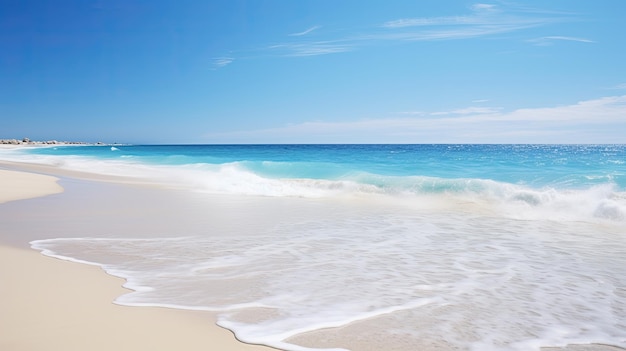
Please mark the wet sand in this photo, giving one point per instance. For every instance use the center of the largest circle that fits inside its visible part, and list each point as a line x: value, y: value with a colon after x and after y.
x: 50, y: 304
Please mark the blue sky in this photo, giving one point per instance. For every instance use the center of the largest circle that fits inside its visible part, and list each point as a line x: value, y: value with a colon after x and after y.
x: 318, y: 71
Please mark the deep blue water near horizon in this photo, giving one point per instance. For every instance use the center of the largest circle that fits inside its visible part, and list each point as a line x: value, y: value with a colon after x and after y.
x: 360, y: 247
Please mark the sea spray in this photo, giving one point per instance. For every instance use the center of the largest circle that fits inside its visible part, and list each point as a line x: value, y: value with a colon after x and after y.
x: 524, y: 181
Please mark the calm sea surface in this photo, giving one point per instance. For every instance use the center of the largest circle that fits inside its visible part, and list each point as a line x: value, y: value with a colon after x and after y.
x: 403, y: 247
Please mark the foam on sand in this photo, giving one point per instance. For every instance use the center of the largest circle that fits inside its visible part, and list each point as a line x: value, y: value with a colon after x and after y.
x: 50, y: 304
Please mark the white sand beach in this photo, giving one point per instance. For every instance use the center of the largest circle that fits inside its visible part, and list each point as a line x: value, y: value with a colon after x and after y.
x: 22, y: 185
x: 50, y: 304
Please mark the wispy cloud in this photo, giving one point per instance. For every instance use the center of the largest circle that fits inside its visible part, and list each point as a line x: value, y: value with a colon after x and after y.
x: 299, y: 34
x: 483, y: 20
x: 480, y: 20
x: 220, y: 62
x: 312, y: 48
x: 450, y: 33
x: 547, y: 41
x: 482, y: 14
x: 483, y: 7
x: 592, y: 121
x: 468, y: 111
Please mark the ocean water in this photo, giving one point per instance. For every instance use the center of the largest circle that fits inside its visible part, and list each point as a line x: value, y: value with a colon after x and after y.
x: 400, y: 247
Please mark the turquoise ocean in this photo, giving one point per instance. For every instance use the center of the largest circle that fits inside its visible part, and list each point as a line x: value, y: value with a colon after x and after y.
x: 403, y: 247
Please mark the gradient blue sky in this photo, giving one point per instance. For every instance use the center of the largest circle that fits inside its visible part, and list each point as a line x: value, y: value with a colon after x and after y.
x: 318, y: 71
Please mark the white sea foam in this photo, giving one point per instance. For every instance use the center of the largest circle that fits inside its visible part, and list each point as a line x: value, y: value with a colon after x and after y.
x: 477, y: 282
x: 603, y: 202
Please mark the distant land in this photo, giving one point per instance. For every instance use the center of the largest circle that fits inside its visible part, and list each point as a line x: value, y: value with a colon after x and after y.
x: 27, y: 141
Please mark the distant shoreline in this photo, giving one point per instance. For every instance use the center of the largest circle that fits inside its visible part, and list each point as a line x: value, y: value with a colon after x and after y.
x: 28, y: 142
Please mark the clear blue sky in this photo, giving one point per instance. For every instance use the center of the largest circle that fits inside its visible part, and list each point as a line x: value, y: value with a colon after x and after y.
x: 314, y: 71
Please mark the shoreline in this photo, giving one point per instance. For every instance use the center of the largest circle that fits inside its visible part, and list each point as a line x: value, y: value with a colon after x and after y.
x: 76, y: 309
x: 115, y: 325
x: 76, y: 312
x: 12, y: 143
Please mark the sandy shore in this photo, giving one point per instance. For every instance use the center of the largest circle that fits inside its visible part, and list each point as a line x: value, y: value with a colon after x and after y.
x: 50, y: 304
x: 21, y: 185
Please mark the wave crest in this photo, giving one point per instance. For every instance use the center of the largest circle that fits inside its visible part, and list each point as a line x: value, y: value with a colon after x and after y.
x: 604, y: 202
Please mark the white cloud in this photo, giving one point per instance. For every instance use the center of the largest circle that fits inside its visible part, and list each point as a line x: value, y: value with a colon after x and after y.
x: 305, y: 32
x: 483, y: 7
x: 220, y: 62
x: 482, y: 20
x: 464, y: 32
x: 481, y: 15
x: 437, y: 21
x: 546, y: 41
x: 601, y: 120
x: 312, y: 48
x: 468, y: 111
x: 610, y: 109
